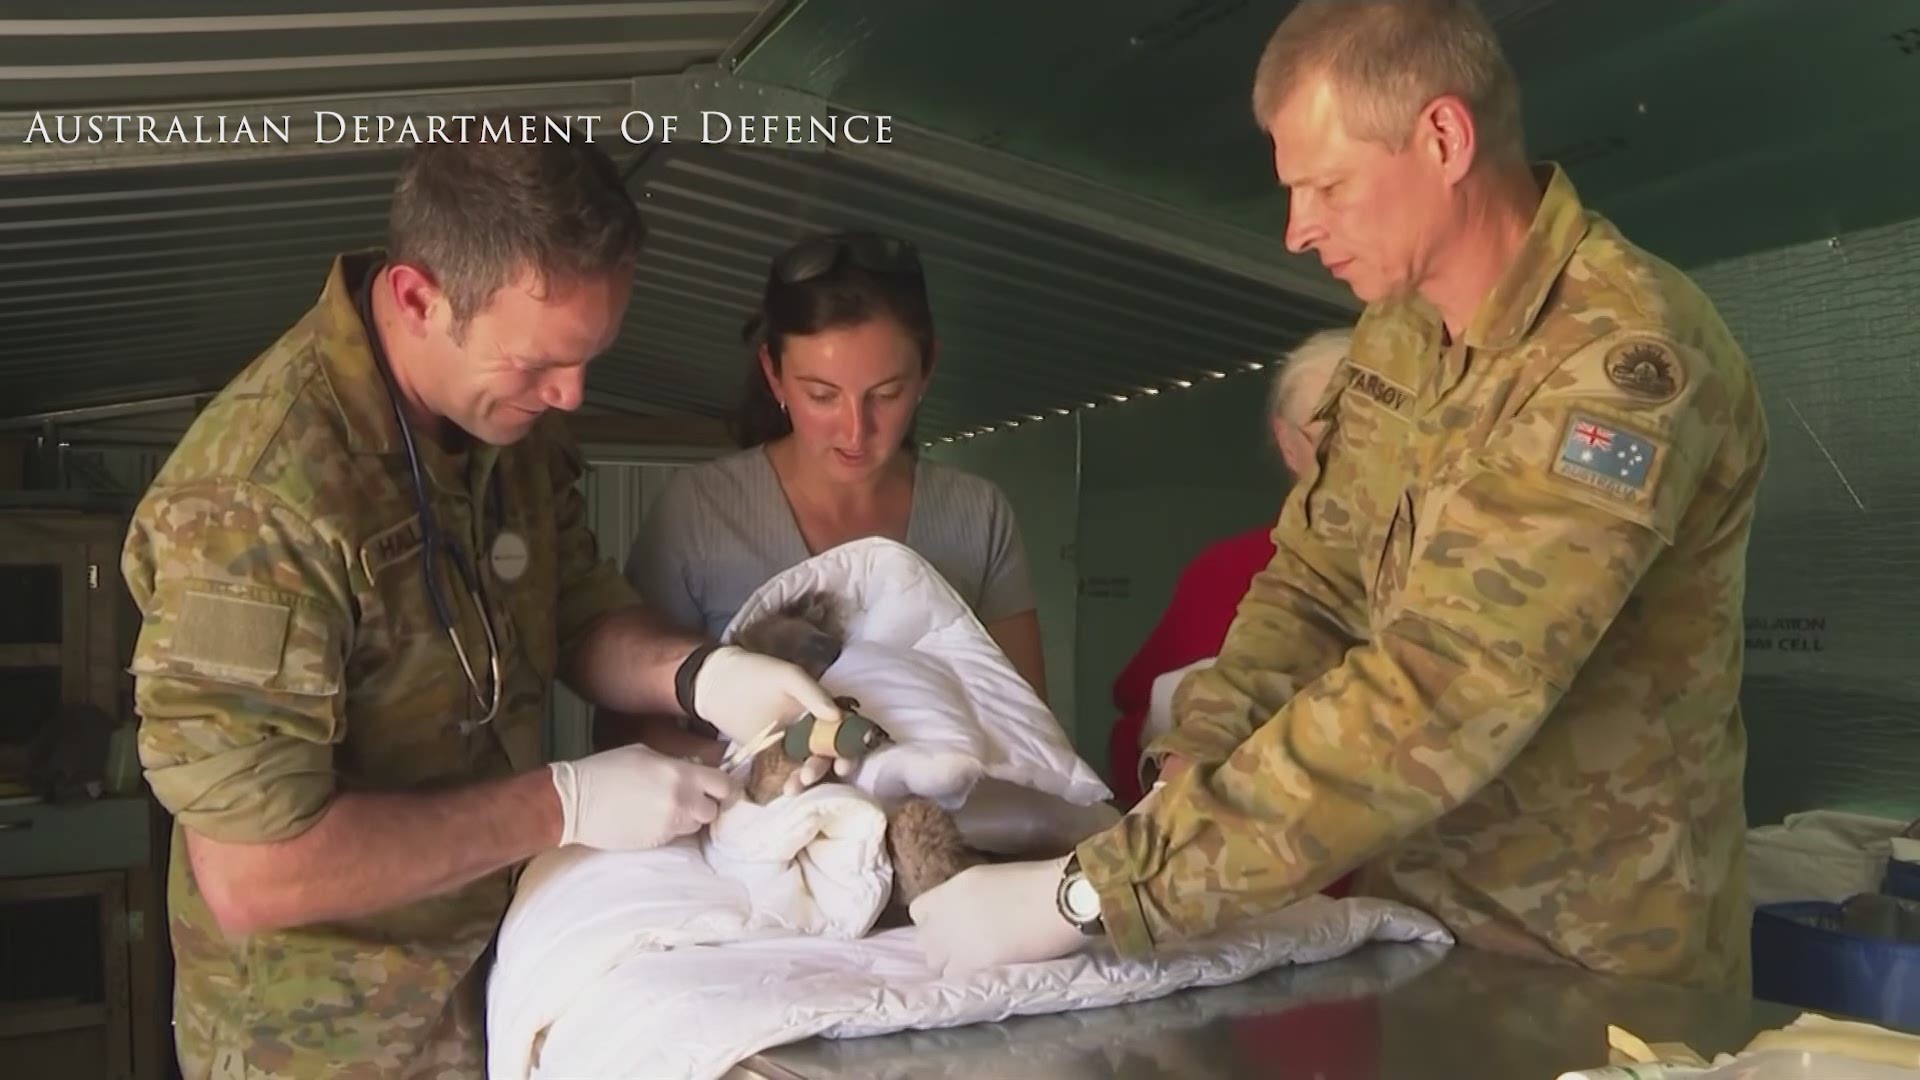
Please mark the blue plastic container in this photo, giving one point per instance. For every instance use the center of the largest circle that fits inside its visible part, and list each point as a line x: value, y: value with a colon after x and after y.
x: 1903, y: 880
x: 1806, y: 954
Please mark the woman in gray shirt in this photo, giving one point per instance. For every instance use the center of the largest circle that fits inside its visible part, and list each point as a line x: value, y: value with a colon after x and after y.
x: 844, y: 347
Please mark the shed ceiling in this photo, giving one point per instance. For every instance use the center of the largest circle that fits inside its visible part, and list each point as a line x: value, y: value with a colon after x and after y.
x: 1094, y: 203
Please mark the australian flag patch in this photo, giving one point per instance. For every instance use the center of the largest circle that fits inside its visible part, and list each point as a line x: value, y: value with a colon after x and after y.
x: 1604, y: 456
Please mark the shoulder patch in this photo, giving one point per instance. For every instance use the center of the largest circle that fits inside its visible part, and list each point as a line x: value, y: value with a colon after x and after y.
x: 231, y: 633
x: 1646, y: 368
x: 1602, y: 455
x: 1385, y: 392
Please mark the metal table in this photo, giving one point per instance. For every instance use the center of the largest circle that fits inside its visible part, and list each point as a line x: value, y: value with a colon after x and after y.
x: 1385, y: 1012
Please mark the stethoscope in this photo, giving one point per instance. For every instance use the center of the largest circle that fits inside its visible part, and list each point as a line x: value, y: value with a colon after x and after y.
x: 509, y: 554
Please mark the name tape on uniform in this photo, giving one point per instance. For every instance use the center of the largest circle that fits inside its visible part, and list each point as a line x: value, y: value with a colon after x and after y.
x: 1395, y: 398
x: 390, y: 545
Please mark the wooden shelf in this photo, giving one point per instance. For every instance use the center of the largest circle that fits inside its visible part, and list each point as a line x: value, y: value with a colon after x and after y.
x: 36, y: 1017
x: 98, y: 1005
x: 30, y: 655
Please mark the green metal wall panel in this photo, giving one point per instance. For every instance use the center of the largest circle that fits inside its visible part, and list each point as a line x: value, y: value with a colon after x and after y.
x: 1707, y: 130
x: 1832, y: 690
x: 1036, y: 466
x: 1159, y: 481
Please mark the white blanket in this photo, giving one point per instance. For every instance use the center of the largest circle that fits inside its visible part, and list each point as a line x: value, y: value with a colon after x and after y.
x: 698, y: 1012
x: 1138, y: 1037
x: 922, y: 666
x: 685, y: 960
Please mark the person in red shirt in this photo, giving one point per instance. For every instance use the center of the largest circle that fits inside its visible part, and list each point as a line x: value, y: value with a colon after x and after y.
x: 1208, y: 594
x: 1330, y: 1038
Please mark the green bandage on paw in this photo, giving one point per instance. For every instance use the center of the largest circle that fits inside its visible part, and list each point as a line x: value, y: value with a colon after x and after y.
x: 852, y: 736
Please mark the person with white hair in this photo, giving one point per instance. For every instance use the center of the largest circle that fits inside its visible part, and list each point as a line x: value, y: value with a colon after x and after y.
x: 1208, y: 592
x: 1297, y: 389
x: 1496, y: 659
x: 1335, y: 1037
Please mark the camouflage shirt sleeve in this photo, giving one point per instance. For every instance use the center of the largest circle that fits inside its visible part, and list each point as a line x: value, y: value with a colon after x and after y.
x: 1299, y: 617
x: 238, y: 668
x: 1522, y: 567
x: 590, y: 586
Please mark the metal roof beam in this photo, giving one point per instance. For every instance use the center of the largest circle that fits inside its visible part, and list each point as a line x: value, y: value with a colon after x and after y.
x: 375, y: 19
x: 993, y: 175
x: 911, y: 153
x: 928, y: 158
x: 105, y: 412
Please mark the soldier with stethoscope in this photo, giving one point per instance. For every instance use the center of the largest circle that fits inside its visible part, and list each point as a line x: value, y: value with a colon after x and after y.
x: 360, y: 573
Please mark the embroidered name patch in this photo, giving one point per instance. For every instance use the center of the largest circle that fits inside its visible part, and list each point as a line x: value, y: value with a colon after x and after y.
x: 1384, y: 391
x: 1608, y: 459
x: 391, y: 545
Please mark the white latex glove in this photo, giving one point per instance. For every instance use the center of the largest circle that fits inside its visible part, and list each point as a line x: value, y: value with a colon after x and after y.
x: 630, y: 798
x: 744, y: 693
x: 815, y: 769
x: 995, y: 914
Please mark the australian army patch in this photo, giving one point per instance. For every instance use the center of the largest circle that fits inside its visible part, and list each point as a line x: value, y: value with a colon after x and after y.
x: 1645, y: 368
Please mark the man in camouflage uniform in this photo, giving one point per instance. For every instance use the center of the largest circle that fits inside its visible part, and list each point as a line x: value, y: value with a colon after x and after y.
x: 354, y: 783
x: 1497, y: 654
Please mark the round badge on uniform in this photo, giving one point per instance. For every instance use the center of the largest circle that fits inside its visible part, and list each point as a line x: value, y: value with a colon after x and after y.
x: 509, y: 556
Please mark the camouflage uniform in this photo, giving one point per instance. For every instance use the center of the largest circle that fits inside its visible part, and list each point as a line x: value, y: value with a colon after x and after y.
x: 289, y: 651
x: 1510, y: 600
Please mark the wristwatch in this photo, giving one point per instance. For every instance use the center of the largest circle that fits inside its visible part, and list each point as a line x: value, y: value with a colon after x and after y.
x: 1078, y: 901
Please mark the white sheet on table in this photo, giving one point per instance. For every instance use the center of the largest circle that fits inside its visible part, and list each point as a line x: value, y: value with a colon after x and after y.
x: 697, y: 1013
x: 686, y: 959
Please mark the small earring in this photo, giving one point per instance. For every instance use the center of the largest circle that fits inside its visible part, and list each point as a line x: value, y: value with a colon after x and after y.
x: 783, y: 406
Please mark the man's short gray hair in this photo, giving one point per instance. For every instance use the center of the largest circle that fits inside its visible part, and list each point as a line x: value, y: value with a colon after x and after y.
x: 1304, y: 373
x: 1389, y: 59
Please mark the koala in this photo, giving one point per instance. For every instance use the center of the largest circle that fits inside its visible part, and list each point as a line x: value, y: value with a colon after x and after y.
x: 923, y: 842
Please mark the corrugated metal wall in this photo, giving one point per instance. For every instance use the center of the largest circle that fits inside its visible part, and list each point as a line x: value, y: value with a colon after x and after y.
x: 1037, y: 316
x: 133, y: 269
x: 620, y: 486
x: 1724, y: 128
x: 1113, y: 506
x: 1832, y: 690
x: 1037, y: 465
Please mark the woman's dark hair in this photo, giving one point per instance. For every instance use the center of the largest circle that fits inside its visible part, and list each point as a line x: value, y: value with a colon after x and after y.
x: 823, y: 283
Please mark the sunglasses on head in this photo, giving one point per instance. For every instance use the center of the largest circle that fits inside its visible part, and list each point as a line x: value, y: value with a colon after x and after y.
x: 820, y: 255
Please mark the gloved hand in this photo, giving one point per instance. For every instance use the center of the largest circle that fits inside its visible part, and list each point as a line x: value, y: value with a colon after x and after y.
x: 995, y: 914
x: 815, y: 769
x: 744, y: 693
x: 631, y: 798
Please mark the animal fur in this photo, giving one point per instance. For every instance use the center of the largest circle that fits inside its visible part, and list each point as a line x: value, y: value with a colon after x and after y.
x: 922, y: 840
x: 807, y: 632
